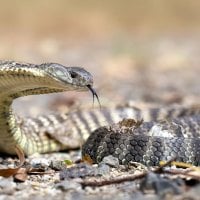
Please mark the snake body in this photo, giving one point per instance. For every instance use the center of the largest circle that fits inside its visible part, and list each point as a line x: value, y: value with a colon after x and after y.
x: 147, y: 143
x: 56, y: 132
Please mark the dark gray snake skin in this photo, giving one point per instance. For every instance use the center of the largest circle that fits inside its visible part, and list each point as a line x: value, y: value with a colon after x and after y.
x: 148, y: 142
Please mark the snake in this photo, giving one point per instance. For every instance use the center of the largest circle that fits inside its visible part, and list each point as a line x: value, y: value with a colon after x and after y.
x: 119, y: 131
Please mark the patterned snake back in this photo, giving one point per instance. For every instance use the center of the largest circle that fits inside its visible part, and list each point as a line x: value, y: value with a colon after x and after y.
x: 147, y: 143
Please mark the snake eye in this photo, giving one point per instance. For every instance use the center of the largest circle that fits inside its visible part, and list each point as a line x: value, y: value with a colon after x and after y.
x: 73, y: 74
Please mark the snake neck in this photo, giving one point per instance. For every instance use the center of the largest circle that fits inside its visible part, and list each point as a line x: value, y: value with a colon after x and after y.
x: 15, y: 83
x: 9, y: 129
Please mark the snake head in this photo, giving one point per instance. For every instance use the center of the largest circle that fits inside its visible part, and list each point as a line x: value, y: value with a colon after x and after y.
x: 71, y: 78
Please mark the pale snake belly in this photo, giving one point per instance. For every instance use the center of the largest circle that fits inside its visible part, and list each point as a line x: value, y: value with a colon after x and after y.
x: 67, y: 131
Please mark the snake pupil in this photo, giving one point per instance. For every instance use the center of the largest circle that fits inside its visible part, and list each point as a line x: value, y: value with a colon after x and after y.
x: 73, y: 74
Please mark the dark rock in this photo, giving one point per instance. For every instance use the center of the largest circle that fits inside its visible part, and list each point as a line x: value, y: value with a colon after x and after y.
x: 161, y: 186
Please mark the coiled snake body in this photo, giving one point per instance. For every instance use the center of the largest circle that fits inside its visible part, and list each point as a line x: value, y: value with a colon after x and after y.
x: 128, y: 140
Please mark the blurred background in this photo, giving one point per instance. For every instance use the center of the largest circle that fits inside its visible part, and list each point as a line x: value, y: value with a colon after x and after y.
x: 136, y: 49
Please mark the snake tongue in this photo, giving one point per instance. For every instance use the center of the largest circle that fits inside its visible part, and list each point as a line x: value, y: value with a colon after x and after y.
x: 94, y: 94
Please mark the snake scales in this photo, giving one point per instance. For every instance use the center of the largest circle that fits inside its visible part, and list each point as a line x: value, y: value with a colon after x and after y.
x: 128, y: 140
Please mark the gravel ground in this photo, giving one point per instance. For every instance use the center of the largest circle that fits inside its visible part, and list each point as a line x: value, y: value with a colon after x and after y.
x: 61, y: 182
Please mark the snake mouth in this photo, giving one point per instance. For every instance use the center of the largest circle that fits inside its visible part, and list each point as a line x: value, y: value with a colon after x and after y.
x: 94, y: 94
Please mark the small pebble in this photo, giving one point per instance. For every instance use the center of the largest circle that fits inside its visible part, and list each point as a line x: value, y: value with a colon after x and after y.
x: 57, y: 165
x: 67, y: 185
x: 103, y: 169
x: 111, y: 161
x: 40, y: 163
x: 7, y: 186
x: 78, y: 171
x: 1, y: 160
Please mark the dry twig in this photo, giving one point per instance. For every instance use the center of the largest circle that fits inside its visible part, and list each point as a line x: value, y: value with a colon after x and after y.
x: 125, y: 179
